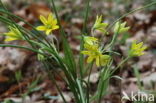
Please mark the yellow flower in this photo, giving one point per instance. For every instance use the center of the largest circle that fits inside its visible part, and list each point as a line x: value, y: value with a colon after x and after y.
x: 90, y: 40
x: 120, y: 27
x: 13, y: 34
x: 104, y: 59
x: 137, y: 49
x: 49, y: 24
x: 99, y: 25
x: 93, y: 52
x: 96, y: 55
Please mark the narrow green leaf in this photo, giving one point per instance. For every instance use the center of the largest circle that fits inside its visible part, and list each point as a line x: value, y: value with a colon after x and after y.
x: 69, y: 57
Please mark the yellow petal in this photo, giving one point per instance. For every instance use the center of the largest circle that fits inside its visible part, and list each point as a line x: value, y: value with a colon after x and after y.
x: 41, y: 28
x: 10, y: 39
x: 86, y: 52
x: 50, y: 17
x: 139, y: 45
x: 133, y: 44
x: 48, y: 31
x: 55, y: 27
x: 43, y: 19
x: 9, y: 34
x: 90, y: 59
x: 104, y: 59
x: 144, y: 48
x: 97, y: 61
x: 54, y: 22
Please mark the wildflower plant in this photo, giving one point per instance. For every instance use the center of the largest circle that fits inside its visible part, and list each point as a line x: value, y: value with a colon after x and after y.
x: 13, y: 34
x: 91, y: 51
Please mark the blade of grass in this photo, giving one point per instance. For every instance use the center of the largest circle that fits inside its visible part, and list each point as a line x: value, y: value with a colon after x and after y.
x: 37, y: 35
x: 82, y: 96
x: 71, y: 81
x: 137, y: 74
x: 14, y: 24
x: 19, y: 18
x: 84, y: 31
x: 70, y: 61
x: 54, y: 81
x: 21, y: 47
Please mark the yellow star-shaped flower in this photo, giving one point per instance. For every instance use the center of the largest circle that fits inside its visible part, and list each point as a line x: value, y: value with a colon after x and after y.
x: 13, y: 34
x: 120, y: 27
x: 93, y: 52
x: 90, y: 40
x: 137, y: 49
x: 49, y: 24
x: 100, y: 25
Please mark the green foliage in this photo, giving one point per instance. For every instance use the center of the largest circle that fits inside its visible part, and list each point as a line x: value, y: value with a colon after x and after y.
x: 18, y: 75
x: 32, y: 87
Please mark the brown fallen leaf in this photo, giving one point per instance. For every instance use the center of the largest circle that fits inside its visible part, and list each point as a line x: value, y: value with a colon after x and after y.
x: 15, y: 88
x: 3, y: 79
x: 38, y: 9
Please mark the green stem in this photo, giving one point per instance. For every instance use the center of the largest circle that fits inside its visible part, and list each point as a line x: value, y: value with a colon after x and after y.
x: 113, y: 41
x: 86, y: 17
x: 54, y: 81
x: 122, y: 62
x: 33, y: 35
x: 80, y: 86
x: 81, y: 56
x: 68, y: 52
x: 131, y: 12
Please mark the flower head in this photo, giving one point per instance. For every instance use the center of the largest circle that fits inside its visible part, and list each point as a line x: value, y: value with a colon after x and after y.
x: 93, y: 52
x: 137, y: 49
x: 99, y: 25
x: 49, y: 24
x: 13, y: 34
x: 120, y: 27
x: 90, y: 40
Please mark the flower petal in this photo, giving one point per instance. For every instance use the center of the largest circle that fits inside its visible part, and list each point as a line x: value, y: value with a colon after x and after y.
x: 48, y: 31
x: 10, y: 39
x: 43, y: 19
x: 86, y: 52
x: 55, y: 27
x: 90, y: 59
x: 98, y: 61
x: 50, y: 17
x: 41, y: 28
x: 104, y: 59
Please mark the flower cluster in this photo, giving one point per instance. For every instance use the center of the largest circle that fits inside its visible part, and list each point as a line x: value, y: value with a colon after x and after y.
x: 91, y: 44
x: 92, y: 48
x: 137, y: 49
x: 93, y: 51
x: 120, y: 27
x: 48, y: 26
x: 13, y: 34
x: 99, y: 25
